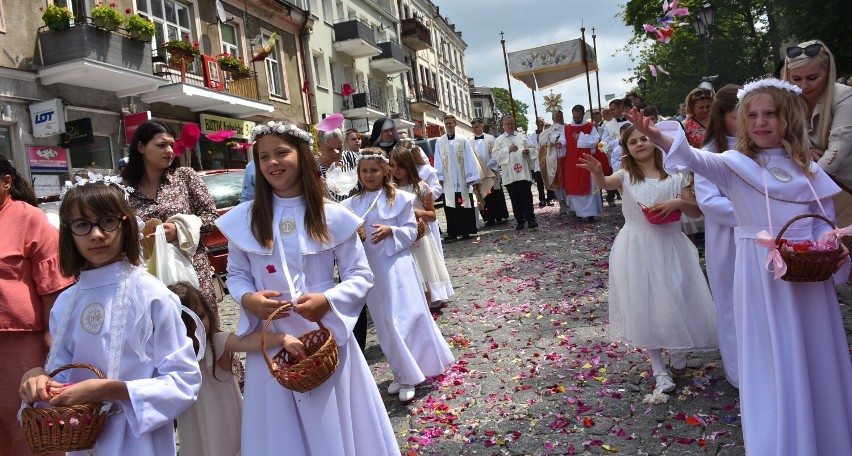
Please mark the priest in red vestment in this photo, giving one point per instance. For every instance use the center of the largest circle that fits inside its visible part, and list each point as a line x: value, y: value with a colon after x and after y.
x: 581, y: 137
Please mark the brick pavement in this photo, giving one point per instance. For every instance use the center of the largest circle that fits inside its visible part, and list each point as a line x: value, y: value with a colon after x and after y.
x: 535, y: 373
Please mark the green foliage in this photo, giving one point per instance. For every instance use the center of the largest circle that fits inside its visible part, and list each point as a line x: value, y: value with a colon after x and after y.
x: 739, y: 49
x: 827, y: 21
x: 55, y: 13
x: 503, y: 107
x: 107, y: 13
x: 140, y: 24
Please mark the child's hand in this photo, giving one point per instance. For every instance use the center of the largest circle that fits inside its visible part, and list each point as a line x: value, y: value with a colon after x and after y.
x: 261, y: 305
x: 666, y: 207
x: 643, y: 124
x: 312, y: 306
x: 382, y: 231
x: 92, y: 390
x: 295, y: 348
x: 590, y: 163
x: 34, y: 386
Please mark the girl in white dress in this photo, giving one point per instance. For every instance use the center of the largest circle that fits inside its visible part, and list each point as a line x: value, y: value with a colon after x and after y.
x: 719, y: 223
x: 658, y: 297
x: 427, y: 257
x: 211, y: 426
x: 119, y: 319
x: 283, y: 249
x: 795, y: 375
x: 408, y: 335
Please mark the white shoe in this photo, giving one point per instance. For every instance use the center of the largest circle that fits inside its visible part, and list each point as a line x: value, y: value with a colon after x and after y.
x: 406, y: 393
x: 665, y: 384
x: 393, y: 388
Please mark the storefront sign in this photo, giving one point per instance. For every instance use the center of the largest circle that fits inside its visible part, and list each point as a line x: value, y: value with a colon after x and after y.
x: 433, y: 131
x: 212, y: 124
x: 132, y: 122
x: 48, y: 118
x: 47, y: 158
x: 78, y: 133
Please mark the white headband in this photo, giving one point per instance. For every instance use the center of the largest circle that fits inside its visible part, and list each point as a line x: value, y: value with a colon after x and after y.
x: 93, y: 179
x: 767, y: 82
x: 379, y: 157
x: 281, y: 128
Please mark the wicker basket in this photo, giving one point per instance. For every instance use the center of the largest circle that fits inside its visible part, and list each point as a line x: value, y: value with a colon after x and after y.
x: 64, y: 428
x: 310, y: 372
x: 655, y: 219
x: 815, y: 266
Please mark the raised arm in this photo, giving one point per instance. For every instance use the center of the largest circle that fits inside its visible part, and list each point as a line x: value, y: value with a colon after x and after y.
x: 594, y: 167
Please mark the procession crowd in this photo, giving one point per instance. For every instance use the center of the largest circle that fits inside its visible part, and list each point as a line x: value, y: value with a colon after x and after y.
x: 320, y: 239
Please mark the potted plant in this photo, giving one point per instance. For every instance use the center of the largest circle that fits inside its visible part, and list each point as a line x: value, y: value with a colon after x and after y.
x: 232, y: 63
x: 181, y: 49
x: 139, y: 27
x: 106, y: 16
x: 56, y: 17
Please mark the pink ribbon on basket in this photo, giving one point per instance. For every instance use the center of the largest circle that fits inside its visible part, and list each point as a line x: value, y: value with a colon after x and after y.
x: 774, y: 257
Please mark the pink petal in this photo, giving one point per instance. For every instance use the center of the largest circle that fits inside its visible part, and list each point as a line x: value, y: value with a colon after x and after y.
x: 220, y: 135
x: 179, y: 148
x: 680, y: 12
x: 653, y: 70
x: 650, y: 28
x: 190, y: 134
x: 666, y: 5
x: 661, y: 69
x: 331, y: 122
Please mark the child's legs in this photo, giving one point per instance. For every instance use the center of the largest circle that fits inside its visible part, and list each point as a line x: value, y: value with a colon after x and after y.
x: 657, y: 364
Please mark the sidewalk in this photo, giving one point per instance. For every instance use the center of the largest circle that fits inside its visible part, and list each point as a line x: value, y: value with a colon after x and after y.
x: 535, y: 374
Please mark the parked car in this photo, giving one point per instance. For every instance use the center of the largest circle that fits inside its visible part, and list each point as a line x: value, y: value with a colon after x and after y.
x: 225, y: 186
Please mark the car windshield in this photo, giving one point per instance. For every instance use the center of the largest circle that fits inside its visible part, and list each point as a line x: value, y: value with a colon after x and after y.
x: 225, y: 188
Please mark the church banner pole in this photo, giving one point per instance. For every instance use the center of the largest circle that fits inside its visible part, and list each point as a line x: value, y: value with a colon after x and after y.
x: 508, y: 80
x: 586, y: 63
x: 535, y: 106
x: 597, y: 78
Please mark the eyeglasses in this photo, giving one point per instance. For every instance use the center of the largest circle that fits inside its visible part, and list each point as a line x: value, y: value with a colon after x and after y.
x: 107, y: 224
x: 809, y: 50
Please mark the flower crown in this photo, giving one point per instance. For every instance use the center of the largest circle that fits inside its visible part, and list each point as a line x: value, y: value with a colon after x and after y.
x: 378, y: 157
x: 767, y: 82
x: 95, y: 178
x: 281, y: 128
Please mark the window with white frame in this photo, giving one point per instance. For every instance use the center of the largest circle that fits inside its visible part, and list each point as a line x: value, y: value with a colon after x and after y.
x: 230, y: 40
x: 319, y: 72
x: 170, y: 17
x: 478, y: 112
x: 274, y: 69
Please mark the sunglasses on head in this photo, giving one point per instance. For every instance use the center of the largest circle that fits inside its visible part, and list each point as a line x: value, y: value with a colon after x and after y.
x: 809, y: 50
x: 703, y: 94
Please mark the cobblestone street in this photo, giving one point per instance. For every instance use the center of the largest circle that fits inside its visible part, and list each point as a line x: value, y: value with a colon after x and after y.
x: 535, y: 373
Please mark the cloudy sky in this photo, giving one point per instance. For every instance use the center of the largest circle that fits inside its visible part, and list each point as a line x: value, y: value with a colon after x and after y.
x: 532, y: 23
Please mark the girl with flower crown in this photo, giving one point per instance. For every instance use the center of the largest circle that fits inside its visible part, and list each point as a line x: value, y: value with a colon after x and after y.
x: 795, y: 375
x: 408, y: 335
x: 282, y: 251
x: 119, y: 319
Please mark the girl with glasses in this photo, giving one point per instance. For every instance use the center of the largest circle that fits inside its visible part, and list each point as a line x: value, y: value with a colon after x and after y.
x: 810, y: 66
x: 119, y: 319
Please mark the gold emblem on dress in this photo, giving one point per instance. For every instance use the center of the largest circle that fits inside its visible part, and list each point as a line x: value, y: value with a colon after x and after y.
x: 92, y: 318
x: 287, y: 228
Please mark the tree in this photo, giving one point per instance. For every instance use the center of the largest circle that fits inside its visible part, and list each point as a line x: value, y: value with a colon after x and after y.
x: 503, y: 107
x: 827, y: 21
x: 739, y: 49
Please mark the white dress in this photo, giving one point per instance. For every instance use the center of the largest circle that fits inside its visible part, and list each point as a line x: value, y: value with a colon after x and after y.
x: 408, y: 335
x: 429, y: 260
x: 795, y: 374
x: 157, y: 359
x: 658, y: 297
x: 347, y: 406
x: 720, y: 254
x: 211, y: 427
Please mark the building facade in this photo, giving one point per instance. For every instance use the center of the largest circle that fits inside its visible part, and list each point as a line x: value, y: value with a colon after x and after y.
x: 482, y: 105
x: 72, y: 93
x: 437, y: 83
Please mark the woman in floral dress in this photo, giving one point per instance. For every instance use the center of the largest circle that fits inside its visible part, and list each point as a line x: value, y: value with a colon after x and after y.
x: 162, y: 190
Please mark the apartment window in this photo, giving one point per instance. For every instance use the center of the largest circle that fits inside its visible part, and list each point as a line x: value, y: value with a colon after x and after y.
x: 319, y: 72
x: 171, y: 18
x: 478, y: 112
x: 327, y: 11
x: 230, y: 42
x: 274, y: 70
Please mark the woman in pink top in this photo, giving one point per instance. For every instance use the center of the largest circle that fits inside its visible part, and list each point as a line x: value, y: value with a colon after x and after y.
x: 29, y: 283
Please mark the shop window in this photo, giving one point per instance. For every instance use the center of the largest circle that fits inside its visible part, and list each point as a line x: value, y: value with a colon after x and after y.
x: 221, y: 155
x: 97, y: 155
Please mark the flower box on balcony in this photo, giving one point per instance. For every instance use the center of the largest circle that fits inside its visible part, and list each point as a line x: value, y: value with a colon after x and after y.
x: 86, y: 42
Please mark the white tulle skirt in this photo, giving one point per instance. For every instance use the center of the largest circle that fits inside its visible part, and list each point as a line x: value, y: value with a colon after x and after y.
x: 433, y: 270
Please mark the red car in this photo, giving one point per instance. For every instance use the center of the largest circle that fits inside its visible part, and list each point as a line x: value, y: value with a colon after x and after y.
x: 225, y: 186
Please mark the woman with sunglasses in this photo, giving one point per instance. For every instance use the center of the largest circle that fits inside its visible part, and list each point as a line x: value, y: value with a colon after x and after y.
x: 810, y: 65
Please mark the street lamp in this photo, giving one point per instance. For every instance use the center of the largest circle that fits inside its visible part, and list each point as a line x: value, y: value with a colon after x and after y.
x: 643, y: 84
x: 705, y: 17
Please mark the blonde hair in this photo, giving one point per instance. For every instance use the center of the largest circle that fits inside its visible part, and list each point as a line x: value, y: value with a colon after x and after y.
x: 386, y: 182
x: 790, y: 109
x: 697, y: 94
x: 826, y: 99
